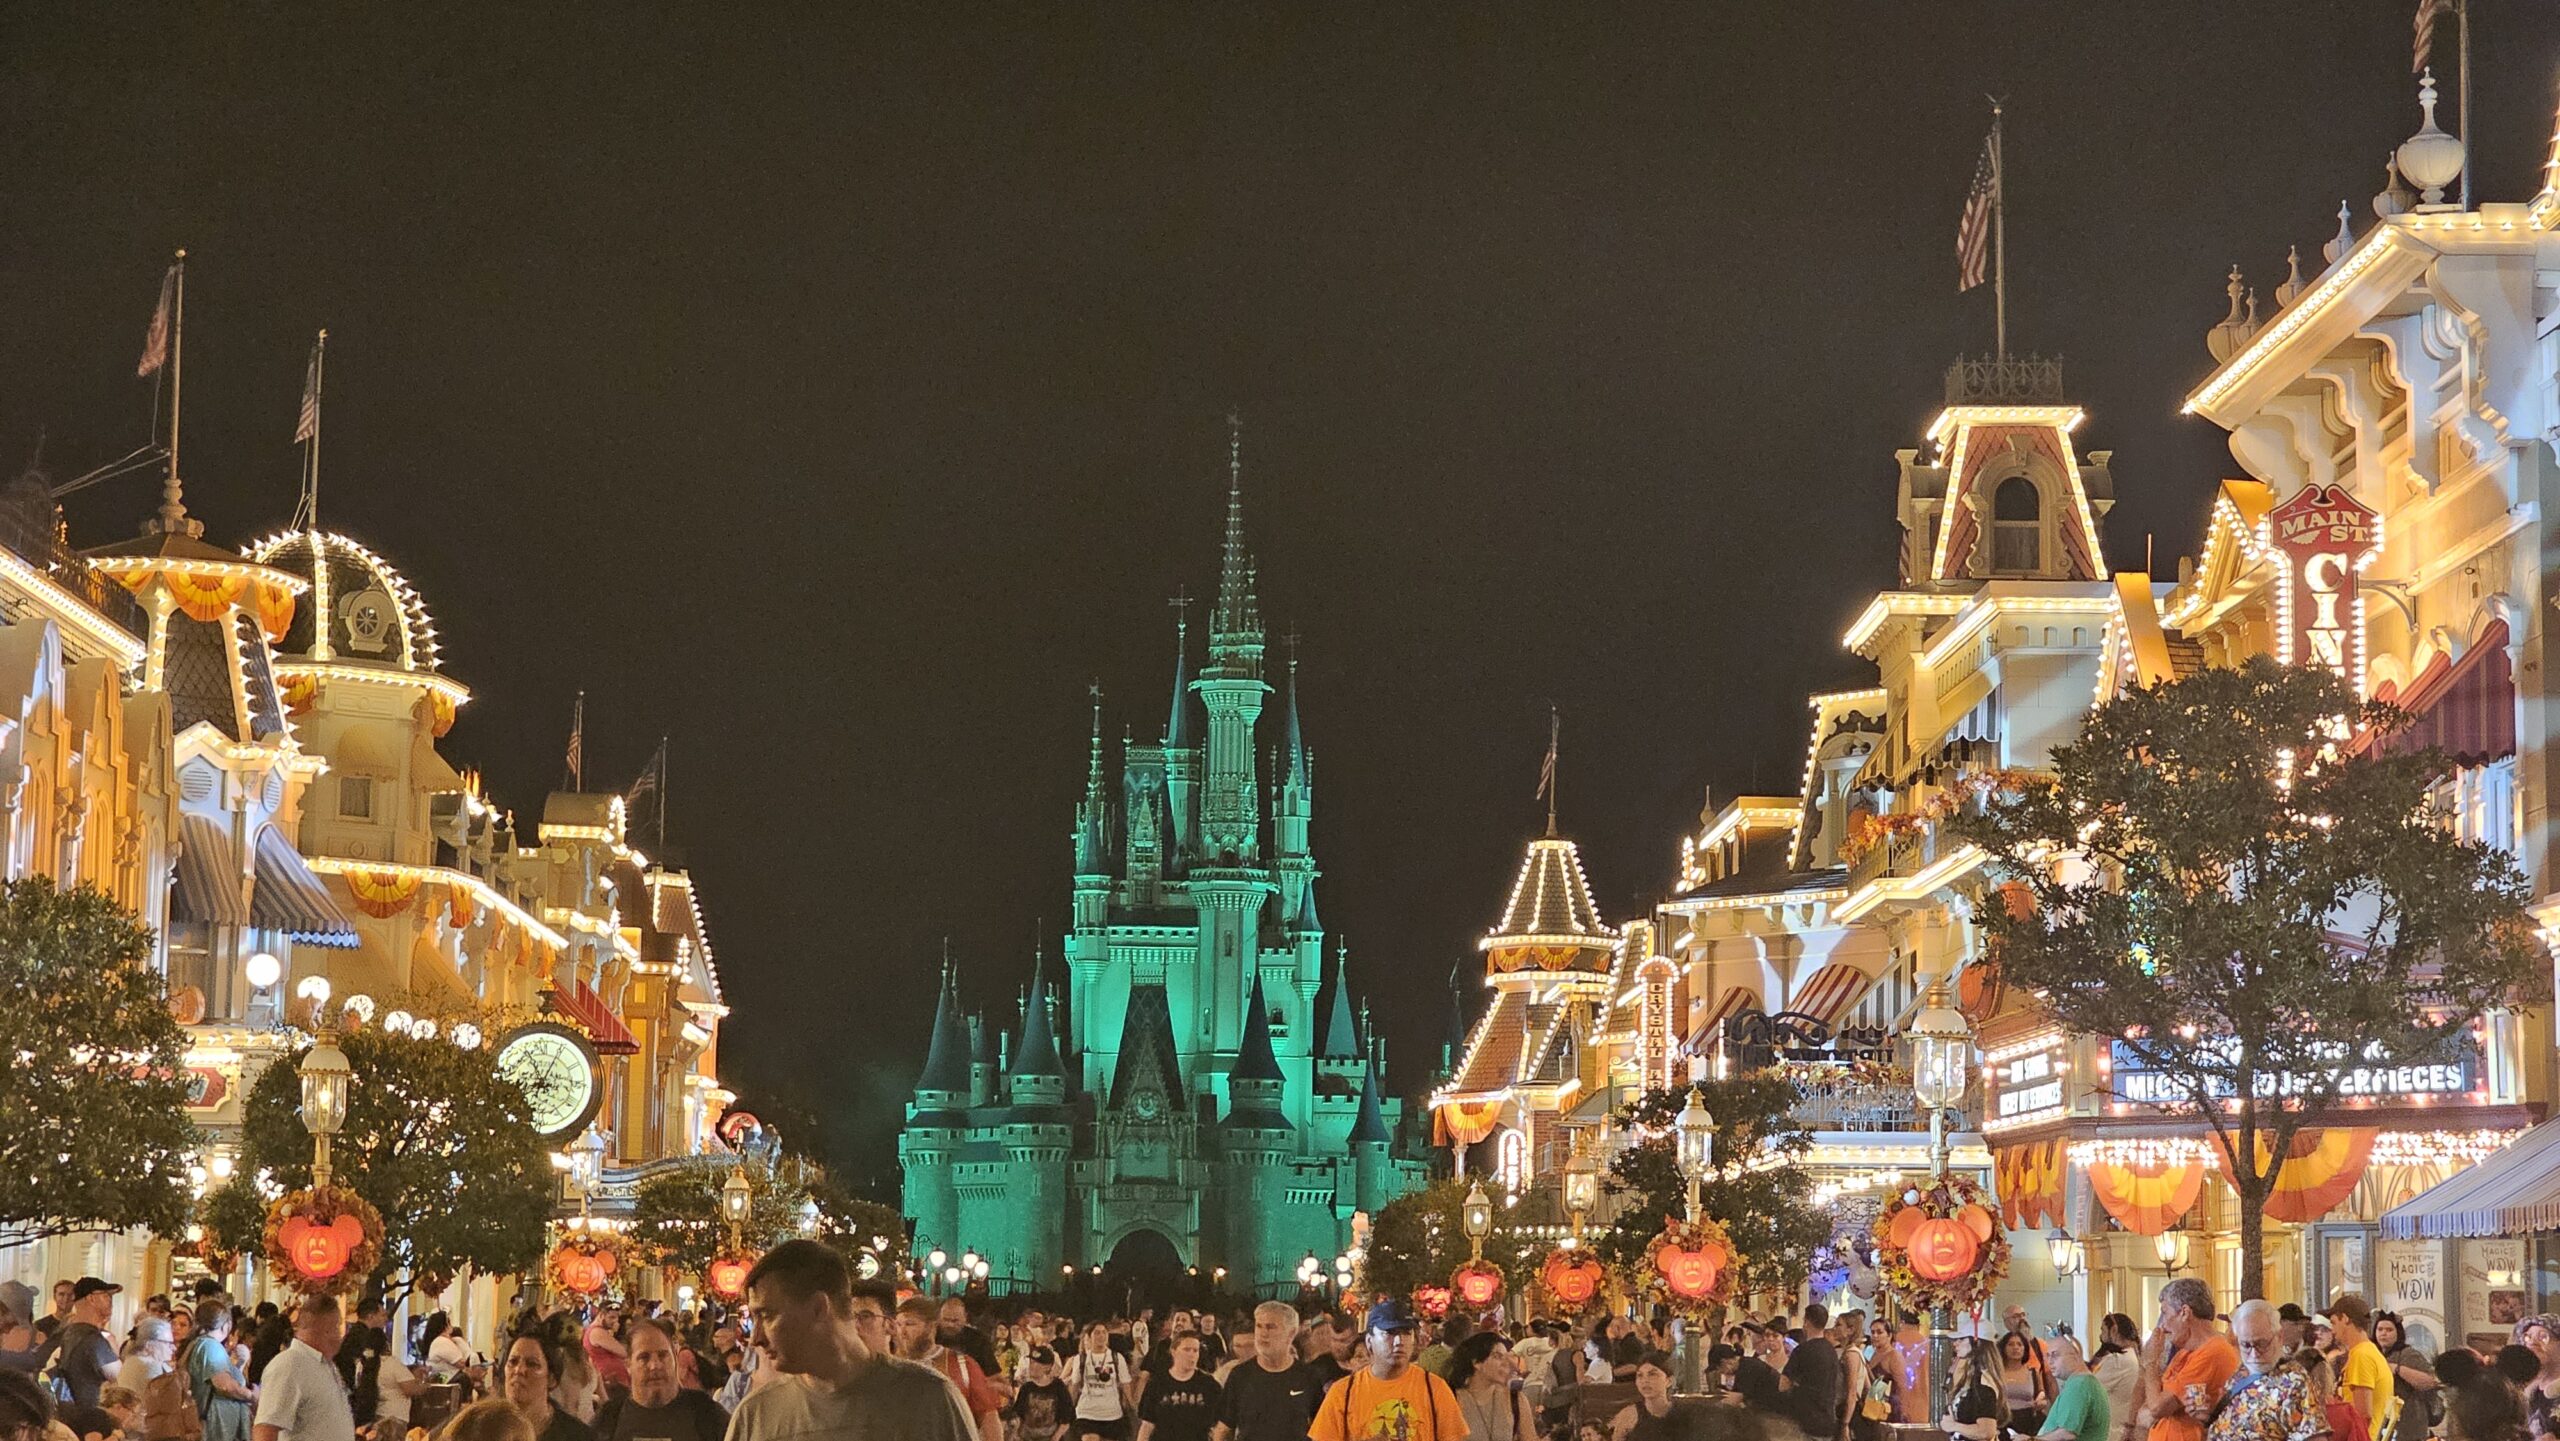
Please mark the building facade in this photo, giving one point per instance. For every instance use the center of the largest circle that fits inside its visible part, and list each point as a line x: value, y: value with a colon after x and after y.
x: 1191, y: 1085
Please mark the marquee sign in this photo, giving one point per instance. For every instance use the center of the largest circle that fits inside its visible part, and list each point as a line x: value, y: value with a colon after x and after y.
x: 2369, y: 1076
x: 1756, y: 1040
x: 2326, y: 536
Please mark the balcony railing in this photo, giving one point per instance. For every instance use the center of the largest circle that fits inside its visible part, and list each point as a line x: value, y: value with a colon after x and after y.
x: 1988, y: 380
x: 38, y: 545
x: 1876, y: 1109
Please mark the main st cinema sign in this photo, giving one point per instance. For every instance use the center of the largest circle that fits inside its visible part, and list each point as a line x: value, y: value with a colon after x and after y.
x: 2325, y: 535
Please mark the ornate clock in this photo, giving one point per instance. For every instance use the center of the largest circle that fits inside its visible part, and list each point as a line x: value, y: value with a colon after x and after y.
x: 556, y: 1068
x: 1147, y: 1106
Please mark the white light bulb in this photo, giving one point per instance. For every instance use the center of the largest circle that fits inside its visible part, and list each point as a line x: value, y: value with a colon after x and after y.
x: 263, y: 970
x: 466, y: 1035
x: 313, y: 988
x: 397, y: 1023
x: 423, y: 1029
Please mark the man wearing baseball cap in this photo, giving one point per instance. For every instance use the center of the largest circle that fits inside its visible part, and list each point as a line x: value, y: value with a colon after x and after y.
x: 1390, y: 1398
x: 2364, y: 1382
x: 83, y: 1356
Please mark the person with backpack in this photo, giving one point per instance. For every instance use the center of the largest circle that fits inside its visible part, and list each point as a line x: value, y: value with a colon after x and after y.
x: 83, y: 1359
x: 215, y: 1382
x: 1104, y: 1385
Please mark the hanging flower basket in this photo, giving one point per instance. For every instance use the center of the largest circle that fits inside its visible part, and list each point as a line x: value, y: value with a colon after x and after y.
x: 323, y: 1241
x: 1691, y: 1267
x: 1940, y: 1244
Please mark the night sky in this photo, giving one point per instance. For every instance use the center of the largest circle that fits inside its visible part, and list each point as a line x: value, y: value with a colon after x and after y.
x: 839, y: 393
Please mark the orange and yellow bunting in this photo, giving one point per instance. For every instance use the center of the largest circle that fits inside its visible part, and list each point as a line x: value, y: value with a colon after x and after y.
x: 443, y: 711
x: 1536, y: 958
x: 299, y: 691
x: 2319, y: 1170
x: 275, y: 611
x: 380, y: 894
x: 2147, y: 1196
x: 460, y: 910
x: 1464, y: 1122
x: 2030, y: 1178
x: 205, y: 597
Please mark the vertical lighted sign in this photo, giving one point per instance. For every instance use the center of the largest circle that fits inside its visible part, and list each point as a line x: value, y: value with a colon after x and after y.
x: 2326, y: 536
x: 1653, y: 1022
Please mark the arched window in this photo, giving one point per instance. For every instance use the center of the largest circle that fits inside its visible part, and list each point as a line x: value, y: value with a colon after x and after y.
x: 2017, y: 526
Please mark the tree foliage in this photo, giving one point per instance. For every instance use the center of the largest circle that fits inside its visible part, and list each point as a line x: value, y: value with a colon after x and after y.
x: 1767, y: 1206
x: 93, y: 1126
x: 1418, y: 1239
x: 676, y: 1218
x: 435, y: 1139
x: 2252, y: 914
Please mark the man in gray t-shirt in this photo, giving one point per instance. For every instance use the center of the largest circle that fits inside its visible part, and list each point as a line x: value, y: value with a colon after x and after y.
x: 831, y: 1386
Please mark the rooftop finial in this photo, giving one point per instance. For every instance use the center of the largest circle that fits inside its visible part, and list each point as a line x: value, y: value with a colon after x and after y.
x: 2431, y: 159
x: 2345, y: 239
x: 1235, y: 627
x: 2292, y: 285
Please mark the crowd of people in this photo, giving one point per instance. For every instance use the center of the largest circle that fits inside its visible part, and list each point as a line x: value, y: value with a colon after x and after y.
x: 815, y: 1355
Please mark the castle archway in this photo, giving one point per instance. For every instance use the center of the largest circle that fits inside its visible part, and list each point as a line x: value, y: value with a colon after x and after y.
x: 1147, y: 1269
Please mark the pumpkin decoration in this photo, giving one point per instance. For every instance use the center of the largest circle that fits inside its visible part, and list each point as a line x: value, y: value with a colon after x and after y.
x: 187, y: 1005
x: 1572, y: 1276
x: 1691, y: 1267
x: 1432, y: 1301
x: 727, y: 1276
x: 1938, y: 1245
x: 325, y: 1240
x: 1476, y: 1285
x: 583, y: 1266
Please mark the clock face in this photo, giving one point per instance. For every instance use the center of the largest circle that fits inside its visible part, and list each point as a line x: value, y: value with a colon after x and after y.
x: 556, y: 1069
x: 1147, y: 1105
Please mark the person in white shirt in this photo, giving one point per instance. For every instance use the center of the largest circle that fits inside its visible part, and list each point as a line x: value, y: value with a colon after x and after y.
x: 300, y: 1397
x: 155, y: 1350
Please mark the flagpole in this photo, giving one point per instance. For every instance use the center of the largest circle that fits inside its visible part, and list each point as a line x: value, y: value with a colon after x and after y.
x: 173, y: 509
x: 1555, y: 732
x: 311, y: 458
x: 2462, y: 23
x: 662, y: 801
x: 1999, y: 240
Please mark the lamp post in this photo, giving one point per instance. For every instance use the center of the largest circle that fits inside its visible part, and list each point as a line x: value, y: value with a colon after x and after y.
x: 1941, y: 1055
x: 326, y: 1080
x: 1694, y: 1137
x: 737, y: 1202
x: 1581, y: 1191
x: 1475, y: 1218
x: 2174, y: 1250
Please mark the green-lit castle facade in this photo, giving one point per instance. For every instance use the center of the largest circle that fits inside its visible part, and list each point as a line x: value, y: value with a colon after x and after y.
x: 1205, y: 1094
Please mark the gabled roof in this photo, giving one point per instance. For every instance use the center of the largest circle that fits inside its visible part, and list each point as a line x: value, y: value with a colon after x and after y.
x: 1147, y: 1054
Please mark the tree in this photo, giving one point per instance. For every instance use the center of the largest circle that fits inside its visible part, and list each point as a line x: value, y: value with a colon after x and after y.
x: 435, y: 1139
x: 1417, y: 1240
x: 1766, y: 1206
x: 2249, y: 914
x: 93, y: 1128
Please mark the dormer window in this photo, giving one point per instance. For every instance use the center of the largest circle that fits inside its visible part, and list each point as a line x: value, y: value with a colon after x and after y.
x: 2017, y: 526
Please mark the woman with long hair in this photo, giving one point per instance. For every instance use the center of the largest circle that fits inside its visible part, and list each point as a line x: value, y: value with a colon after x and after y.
x: 1980, y: 1411
x: 2022, y: 1383
x: 2540, y: 1334
x: 2118, y: 1367
x: 533, y: 1368
x: 1480, y: 1371
x: 2413, y: 1378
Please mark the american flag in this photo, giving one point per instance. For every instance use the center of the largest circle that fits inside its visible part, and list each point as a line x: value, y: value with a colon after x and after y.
x: 309, y: 425
x: 155, y: 344
x: 2429, y: 11
x: 577, y: 756
x: 1973, y: 232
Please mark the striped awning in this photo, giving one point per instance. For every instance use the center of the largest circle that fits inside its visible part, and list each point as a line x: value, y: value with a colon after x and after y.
x: 208, y: 888
x: 289, y: 898
x: 581, y: 1004
x: 1827, y: 994
x: 1702, y: 1038
x: 2513, y: 1192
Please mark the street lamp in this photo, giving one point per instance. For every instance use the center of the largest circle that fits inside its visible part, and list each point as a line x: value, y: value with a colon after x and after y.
x: 809, y: 1217
x: 326, y: 1079
x: 1697, y: 1143
x: 1581, y: 1190
x: 2174, y: 1250
x: 737, y: 1202
x: 1941, y: 1052
x: 1476, y: 1219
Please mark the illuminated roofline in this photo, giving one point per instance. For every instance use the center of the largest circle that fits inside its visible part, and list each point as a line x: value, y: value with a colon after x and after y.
x: 1887, y: 606
x: 452, y: 690
x: 73, y: 613
x: 246, y: 569
x: 417, y: 625
x: 482, y: 893
x: 2063, y: 419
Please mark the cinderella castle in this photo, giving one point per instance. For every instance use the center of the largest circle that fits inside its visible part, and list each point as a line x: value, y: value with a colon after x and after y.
x: 1206, y: 1094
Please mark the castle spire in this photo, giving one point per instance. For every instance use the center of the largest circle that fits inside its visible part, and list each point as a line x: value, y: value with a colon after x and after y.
x: 1038, y: 1053
x: 1255, y: 1059
x: 1293, y: 741
x: 1089, y: 816
x: 946, y: 1060
x: 1235, y: 627
x: 1337, y: 1041
x: 1177, y: 724
x: 1371, y: 1127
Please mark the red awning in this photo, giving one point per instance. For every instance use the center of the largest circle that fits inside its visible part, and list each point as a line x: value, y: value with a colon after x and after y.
x: 2465, y: 708
x: 597, y: 1019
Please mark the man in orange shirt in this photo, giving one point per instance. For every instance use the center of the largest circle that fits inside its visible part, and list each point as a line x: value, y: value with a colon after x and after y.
x: 1390, y: 1399
x: 2185, y: 1365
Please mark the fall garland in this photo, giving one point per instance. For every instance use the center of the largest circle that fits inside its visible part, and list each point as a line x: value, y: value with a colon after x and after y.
x: 582, y: 1265
x: 1572, y: 1278
x: 1477, y: 1283
x: 1940, y: 1245
x: 326, y: 1241
x: 1691, y: 1267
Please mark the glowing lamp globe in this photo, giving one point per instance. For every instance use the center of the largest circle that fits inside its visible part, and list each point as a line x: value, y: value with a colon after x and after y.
x: 326, y: 1079
x: 1941, y: 1051
x: 1696, y: 1128
x: 737, y: 1196
x: 1475, y: 1218
x: 263, y: 970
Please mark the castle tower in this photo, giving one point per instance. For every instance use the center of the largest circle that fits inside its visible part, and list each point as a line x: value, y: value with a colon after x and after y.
x: 1038, y: 1138
x: 1231, y: 690
x: 1182, y: 752
x: 1258, y: 1140
x: 1372, y: 1143
x: 983, y: 1072
x: 928, y: 1144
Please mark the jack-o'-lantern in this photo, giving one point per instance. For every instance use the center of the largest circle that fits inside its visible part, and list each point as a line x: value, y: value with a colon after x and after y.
x: 728, y: 1277
x: 319, y: 1250
x: 1476, y: 1285
x: 584, y: 1272
x: 1691, y: 1274
x: 1572, y: 1277
x: 1942, y: 1249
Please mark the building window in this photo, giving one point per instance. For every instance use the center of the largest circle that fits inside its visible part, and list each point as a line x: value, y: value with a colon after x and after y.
x: 355, y: 797
x: 2017, y: 526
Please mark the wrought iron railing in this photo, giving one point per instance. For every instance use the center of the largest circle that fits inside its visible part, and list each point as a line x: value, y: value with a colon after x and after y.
x: 38, y: 545
x: 2005, y: 380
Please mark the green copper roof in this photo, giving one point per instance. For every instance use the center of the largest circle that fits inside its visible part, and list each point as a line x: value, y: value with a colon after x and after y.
x: 1371, y: 1127
x: 1038, y: 1053
x: 1337, y: 1041
x: 946, y: 1061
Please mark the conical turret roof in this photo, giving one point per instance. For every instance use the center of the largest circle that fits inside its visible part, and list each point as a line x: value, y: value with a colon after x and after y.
x: 1255, y: 1059
x: 1371, y: 1127
x: 1038, y: 1053
x: 1337, y: 1040
x: 1550, y: 922
x: 946, y: 1060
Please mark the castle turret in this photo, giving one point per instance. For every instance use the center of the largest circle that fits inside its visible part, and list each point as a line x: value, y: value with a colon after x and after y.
x: 1026, y: 1232
x: 1231, y: 690
x: 934, y: 1123
x: 983, y: 1073
x: 1182, y: 752
x: 1257, y: 1141
x: 1372, y: 1164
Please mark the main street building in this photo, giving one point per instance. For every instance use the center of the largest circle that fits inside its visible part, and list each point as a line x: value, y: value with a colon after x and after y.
x: 1205, y: 1094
